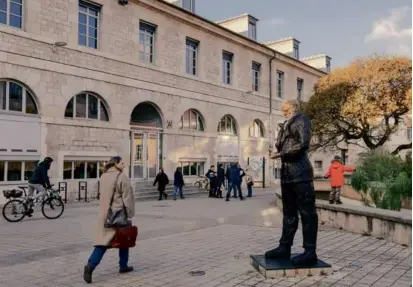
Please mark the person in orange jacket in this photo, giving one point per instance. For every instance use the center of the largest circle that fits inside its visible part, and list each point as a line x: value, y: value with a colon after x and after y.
x: 336, y: 174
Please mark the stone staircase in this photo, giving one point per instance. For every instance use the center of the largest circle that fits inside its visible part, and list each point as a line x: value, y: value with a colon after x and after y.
x: 144, y: 190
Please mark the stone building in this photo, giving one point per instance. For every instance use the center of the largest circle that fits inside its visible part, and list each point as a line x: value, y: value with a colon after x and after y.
x: 155, y: 83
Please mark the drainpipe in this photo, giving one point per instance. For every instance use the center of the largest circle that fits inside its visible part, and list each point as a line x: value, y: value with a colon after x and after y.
x: 270, y: 132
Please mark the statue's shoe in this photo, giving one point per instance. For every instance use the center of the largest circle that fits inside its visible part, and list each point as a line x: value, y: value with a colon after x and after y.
x: 309, y: 257
x: 281, y: 252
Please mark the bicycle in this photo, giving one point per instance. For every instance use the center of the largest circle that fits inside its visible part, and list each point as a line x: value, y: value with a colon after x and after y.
x: 21, y: 207
x: 202, y: 183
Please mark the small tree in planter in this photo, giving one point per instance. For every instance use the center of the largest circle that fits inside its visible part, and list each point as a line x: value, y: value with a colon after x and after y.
x: 383, y: 180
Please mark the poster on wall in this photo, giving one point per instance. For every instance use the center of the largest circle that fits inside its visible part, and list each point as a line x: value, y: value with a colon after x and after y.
x: 227, y: 149
x: 256, y: 163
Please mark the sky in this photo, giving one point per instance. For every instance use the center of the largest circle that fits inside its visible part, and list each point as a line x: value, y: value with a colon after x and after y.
x: 342, y: 29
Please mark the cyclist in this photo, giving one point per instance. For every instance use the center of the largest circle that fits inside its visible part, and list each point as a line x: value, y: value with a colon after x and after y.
x: 39, y: 181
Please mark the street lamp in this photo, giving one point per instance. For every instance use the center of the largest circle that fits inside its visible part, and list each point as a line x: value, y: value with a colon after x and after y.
x: 58, y: 44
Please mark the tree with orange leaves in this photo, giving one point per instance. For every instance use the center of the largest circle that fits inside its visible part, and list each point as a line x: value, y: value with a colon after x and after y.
x: 366, y: 101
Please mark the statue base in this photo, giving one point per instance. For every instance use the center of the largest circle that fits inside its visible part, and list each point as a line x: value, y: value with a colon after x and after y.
x: 275, y: 268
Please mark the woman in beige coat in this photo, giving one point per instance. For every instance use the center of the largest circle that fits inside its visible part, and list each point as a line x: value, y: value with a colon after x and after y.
x: 113, y: 180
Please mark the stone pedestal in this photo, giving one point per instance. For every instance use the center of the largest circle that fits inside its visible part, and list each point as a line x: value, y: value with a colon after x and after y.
x: 275, y: 268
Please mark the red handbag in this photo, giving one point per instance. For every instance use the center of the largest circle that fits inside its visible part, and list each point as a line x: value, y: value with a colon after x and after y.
x: 125, y: 237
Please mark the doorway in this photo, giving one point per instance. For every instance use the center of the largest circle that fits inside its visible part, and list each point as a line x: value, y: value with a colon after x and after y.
x: 146, y: 147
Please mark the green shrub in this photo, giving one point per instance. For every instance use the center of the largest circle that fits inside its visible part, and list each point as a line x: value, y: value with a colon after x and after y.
x: 383, y: 180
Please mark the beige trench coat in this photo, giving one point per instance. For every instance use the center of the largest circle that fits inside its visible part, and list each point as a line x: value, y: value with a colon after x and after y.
x: 123, y: 195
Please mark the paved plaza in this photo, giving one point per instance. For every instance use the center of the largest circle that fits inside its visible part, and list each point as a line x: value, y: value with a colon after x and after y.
x: 196, y: 234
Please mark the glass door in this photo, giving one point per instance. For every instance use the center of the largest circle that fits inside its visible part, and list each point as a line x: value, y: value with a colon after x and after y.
x: 152, y: 154
x: 139, y: 156
x: 145, y: 155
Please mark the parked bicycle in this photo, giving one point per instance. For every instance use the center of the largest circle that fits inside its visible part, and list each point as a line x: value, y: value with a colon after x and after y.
x: 202, y: 183
x: 17, y: 207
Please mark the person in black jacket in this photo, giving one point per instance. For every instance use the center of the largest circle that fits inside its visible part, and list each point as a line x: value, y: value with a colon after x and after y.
x: 162, y: 180
x: 40, y: 180
x: 178, y: 183
x: 221, y: 180
x: 297, y: 186
x: 213, y: 181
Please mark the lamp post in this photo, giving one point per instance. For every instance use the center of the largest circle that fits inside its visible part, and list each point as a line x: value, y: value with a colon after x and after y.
x: 58, y: 44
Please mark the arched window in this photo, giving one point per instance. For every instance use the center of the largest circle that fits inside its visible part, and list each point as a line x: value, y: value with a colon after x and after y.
x: 192, y: 120
x: 256, y: 129
x: 227, y: 125
x: 87, y: 106
x: 15, y: 97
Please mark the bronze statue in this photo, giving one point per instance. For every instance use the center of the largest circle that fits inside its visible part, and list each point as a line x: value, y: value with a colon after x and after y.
x: 297, y: 186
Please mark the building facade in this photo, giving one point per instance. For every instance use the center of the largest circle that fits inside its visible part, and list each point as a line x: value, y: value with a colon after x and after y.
x: 82, y: 81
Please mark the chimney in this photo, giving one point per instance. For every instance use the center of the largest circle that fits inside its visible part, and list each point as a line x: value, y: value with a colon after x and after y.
x: 321, y: 62
x: 185, y: 4
x: 289, y: 46
x: 244, y: 24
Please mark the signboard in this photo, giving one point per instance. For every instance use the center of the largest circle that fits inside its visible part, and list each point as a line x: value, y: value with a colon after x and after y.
x: 256, y: 164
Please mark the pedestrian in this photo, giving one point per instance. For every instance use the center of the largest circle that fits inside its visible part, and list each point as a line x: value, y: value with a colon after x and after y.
x: 234, y: 181
x: 112, y: 184
x: 242, y: 174
x: 178, y: 183
x: 249, y: 181
x: 212, y: 177
x: 221, y: 180
x: 39, y: 181
x: 297, y: 187
x: 162, y: 180
x: 336, y: 174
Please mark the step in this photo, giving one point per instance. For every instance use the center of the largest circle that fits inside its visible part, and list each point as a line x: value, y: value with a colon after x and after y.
x: 155, y: 196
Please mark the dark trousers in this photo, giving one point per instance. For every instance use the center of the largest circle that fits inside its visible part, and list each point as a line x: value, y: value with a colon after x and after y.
x: 299, y: 198
x: 249, y: 188
x: 162, y: 194
x: 99, y: 251
x: 235, y: 187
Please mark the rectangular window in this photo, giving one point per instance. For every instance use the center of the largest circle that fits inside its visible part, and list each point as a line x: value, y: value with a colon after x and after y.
x: 192, y: 168
x: 280, y: 84
x: 277, y: 173
x: 300, y: 83
x: 14, y: 171
x: 79, y: 170
x: 88, y: 24
x: 256, y: 76
x: 15, y: 97
x: 252, y: 30
x: 409, y: 134
x: 11, y: 13
x: 92, y: 170
x: 67, y: 170
x: 3, y: 94
x: 92, y: 107
x: 2, y: 170
x: 318, y: 164
x: 191, y: 59
x: 227, y: 67
x: 328, y: 65
x: 81, y: 106
x: 82, y: 169
x: 296, y: 52
x: 147, y: 42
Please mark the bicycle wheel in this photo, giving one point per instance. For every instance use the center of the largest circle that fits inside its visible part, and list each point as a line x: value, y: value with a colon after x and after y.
x: 14, y: 210
x: 53, y: 208
x: 198, y: 184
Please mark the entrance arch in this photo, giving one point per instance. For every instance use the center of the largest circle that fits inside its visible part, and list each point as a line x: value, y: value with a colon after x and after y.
x: 146, y: 147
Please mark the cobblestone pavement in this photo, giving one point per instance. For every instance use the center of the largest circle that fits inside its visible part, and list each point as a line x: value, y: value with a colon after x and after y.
x: 194, y: 234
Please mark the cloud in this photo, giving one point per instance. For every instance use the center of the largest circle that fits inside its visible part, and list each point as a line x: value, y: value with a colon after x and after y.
x: 388, y: 31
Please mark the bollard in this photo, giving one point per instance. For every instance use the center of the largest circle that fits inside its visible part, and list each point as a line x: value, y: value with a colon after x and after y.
x: 98, y: 197
x: 263, y: 172
x: 63, y: 187
x: 82, y: 187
